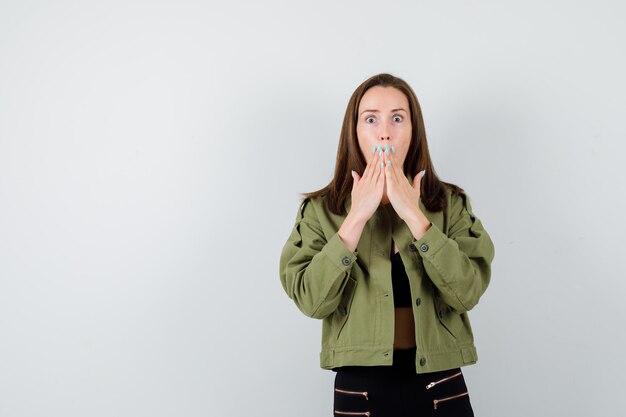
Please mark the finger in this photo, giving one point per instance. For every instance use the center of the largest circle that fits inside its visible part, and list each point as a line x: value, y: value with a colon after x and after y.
x: 380, y: 178
x: 368, y: 167
x: 371, y: 165
x: 397, y: 166
x: 378, y: 169
x: 385, y: 161
x: 381, y: 153
x: 356, y: 178
x: 383, y: 167
x: 391, y: 168
x: 418, y: 179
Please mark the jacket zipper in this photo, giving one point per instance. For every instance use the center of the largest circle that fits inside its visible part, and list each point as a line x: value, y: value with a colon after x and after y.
x: 353, y: 392
x: 353, y: 413
x: 432, y: 384
x: 435, y: 402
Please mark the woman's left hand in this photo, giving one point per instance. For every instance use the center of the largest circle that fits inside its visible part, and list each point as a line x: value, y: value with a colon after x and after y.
x: 403, y: 196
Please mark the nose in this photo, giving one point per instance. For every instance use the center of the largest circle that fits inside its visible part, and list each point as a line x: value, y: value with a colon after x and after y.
x: 383, y: 133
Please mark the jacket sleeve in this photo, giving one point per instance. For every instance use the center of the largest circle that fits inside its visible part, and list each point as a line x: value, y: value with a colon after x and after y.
x: 313, y: 270
x: 459, y: 264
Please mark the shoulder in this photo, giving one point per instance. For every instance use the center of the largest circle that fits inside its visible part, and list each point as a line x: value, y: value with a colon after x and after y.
x: 315, y: 212
x: 458, y: 201
x: 311, y: 208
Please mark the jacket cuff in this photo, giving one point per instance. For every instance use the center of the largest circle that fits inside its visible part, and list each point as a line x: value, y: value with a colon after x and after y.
x: 429, y: 244
x: 338, y: 254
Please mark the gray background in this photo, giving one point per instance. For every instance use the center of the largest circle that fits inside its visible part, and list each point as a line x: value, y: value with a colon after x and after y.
x: 151, y: 156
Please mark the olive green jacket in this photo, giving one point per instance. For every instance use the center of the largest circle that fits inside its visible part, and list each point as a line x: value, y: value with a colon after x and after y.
x: 449, y: 269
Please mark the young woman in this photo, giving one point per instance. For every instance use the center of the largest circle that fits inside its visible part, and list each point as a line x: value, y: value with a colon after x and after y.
x: 391, y: 258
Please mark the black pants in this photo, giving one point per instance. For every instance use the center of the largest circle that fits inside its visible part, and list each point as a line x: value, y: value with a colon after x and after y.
x: 397, y: 391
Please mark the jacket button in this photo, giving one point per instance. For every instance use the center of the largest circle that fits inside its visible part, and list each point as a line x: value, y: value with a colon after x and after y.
x: 424, y: 247
x: 418, y: 301
x: 342, y: 310
x: 346, y: 260
x: 412, y: 248
x: 423, y: 361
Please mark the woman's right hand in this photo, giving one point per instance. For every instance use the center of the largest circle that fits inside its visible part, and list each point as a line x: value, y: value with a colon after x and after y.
x: 367, y: 190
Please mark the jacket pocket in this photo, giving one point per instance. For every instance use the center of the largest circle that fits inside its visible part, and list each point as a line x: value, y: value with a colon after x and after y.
x: 452, y: 322
x: 447, y: 317
x: 343, y: 310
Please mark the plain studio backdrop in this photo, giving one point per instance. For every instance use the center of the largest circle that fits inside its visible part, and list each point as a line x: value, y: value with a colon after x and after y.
x: 151, y: 156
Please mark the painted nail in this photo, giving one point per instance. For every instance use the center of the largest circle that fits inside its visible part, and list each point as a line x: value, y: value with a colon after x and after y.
x: 352, y: 172
x: 374, y: 149
x: 424, y: 172
x: 388, y: 163
x: 387, y: 148
x: 380, y: 152
x: 380, y: 147
x: 393, y: 149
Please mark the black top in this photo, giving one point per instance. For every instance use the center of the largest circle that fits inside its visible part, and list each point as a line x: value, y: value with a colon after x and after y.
x: 400, y: 281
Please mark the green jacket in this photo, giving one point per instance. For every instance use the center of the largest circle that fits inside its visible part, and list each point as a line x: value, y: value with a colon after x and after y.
x: 449, y: 269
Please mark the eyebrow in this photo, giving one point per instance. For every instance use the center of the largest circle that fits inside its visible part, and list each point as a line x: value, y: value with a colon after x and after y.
x: 378, y: 111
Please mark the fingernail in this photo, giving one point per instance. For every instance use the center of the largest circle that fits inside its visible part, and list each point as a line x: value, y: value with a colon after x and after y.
x: 388, y: 163
x: 374, y: 149
x: 393, y: 149
x: 424, y: 172
x: 352, y: 172
x: 381, y: 164
x: 380, y: 152
x: 379, y: 148
x: 387, y: 148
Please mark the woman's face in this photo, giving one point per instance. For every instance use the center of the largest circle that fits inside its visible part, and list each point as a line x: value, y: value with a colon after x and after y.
x: 383, y: 117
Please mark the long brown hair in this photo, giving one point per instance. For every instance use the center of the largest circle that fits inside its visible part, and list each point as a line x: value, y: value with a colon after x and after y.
x: 349, y: 156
